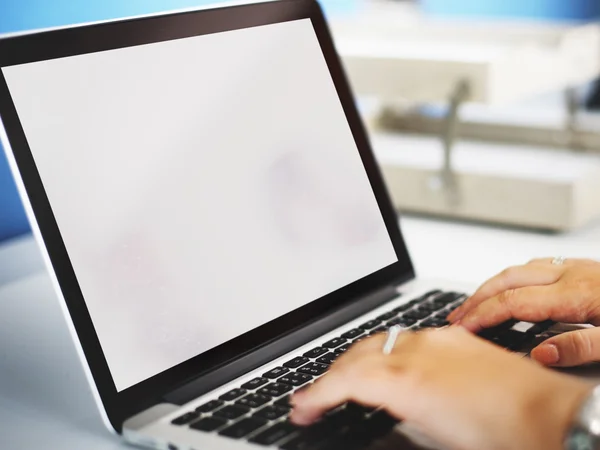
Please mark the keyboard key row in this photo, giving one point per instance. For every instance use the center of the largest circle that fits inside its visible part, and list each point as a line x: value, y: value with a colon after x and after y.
x: 430, y: 310
x: 233, y: 395
x: 210, y: 406
x: 276, y: 372
x: 254, y: 400
x: 296, y: 379
x: 296, y: 362
x: 231, y: 412
x: 275, y: 389
x: 333, y: 343
x: 244, y: 427
x: 314, y: 369
x: 254, y: 384
x: 315, y: 352
x: 274, y: 434
x: 272, y: 412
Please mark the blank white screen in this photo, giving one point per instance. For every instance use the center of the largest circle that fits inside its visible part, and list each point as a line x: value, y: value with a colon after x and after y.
x: 202, y: 186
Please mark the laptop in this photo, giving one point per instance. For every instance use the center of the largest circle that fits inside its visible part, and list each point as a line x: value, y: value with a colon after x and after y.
x: 214, y: 221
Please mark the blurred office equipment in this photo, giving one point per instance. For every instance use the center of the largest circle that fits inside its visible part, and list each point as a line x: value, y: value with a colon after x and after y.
x: 437, y: 76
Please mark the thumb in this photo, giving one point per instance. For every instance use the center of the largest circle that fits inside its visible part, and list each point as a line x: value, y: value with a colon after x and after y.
x: 569, y: 349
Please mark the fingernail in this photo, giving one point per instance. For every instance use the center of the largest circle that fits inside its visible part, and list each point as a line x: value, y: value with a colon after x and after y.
x: 546, y: 354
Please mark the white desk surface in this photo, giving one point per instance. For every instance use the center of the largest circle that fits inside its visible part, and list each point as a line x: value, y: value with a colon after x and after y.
x: 44, y: 399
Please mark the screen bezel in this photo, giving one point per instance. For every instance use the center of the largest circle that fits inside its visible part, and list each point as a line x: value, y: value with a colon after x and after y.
x: 126, y: 33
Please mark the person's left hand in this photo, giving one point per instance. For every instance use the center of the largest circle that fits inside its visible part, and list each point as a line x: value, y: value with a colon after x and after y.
x: 540, y: 291
x: 459, y: 389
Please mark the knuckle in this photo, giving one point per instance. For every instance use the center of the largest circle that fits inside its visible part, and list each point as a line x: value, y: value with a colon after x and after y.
x: 508, y: 274
x: 538, y: 260
x: 507, y: 299
x: 582, y: 344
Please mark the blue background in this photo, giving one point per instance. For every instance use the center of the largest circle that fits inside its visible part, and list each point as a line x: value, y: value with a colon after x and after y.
x: 548, y: 9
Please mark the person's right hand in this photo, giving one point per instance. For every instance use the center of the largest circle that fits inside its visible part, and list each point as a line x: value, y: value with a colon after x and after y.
x: 540, y: 291
x: 456, y: 388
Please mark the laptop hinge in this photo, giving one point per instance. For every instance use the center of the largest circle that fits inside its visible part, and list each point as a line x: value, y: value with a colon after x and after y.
x: 272, y: 350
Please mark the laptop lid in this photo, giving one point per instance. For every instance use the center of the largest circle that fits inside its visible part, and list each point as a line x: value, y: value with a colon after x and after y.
x: 200, y: 184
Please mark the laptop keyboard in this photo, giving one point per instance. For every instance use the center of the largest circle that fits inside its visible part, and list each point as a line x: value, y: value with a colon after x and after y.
x: 258, y: 410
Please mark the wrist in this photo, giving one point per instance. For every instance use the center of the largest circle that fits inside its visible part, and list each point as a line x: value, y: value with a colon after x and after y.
x: 555, y: 409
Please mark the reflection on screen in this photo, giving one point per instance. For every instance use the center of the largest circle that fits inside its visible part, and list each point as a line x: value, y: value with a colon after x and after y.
x: 202, y: 186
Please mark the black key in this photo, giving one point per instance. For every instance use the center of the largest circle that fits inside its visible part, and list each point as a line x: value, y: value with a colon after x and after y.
x: 315, y: 436
x: 275, y: 389
x: 441, y: 314
x: 254, y: 384
x: 243, y: 427
x: 344, y: 416
x: 429, y: 307
x: 329, y: 358
x: 370, y: 325
x: 340, y: 350
x: 381, y: 423
x: 387, y: 316
x: 512, y: 339
x: 539, y: 328
x: 185, y: 419
x: 403, y: 308
x: 364, y: 431
x: 296, y: 362
x: 253, y: 400
x: 493, y: 333
x: 232, y: 395
x: 275, y: 434
x: 352, y: 333
x: 210, y: 406
x: 231, y: 412
x: 402, y: 321
x: 296, y: 379
x: 446, y: 299
x: 315, y: 352
x: 208, y: 424
x: 272, y: 412
x: 276, y: 372
x: 314, y: 368
x: 361, y: 408
x: 435, y: 322
x: 417, y: 314
x: 378, y: 330
x: 284, y: 401
x: 334, y: 343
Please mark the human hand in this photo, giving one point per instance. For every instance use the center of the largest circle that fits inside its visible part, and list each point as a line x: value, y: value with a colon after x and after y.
x: 540, y: 291
x: 457, y: 388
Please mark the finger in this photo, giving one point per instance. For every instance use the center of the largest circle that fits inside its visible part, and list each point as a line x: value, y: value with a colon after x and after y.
x: 533, y: 304
x: 569, y: 349
x: 567, y: 262
x: 367, y: 381
x: 511, y: 278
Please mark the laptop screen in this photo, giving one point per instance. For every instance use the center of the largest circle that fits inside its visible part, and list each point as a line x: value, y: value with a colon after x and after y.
x: 202, y: 186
